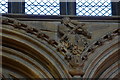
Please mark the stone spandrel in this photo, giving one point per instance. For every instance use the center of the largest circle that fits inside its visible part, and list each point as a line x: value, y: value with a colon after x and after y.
x: 97, y: 29
x: 77, y: 58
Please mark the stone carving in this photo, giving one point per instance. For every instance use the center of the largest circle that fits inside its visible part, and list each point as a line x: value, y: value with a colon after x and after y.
x: 101, y: 41
x: 76, y: 65
x: 75, y: 27
x: 38, y: 33
x: 67, y: 31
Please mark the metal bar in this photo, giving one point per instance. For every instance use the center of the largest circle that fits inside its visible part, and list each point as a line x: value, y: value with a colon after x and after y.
x: 26, y: 17
x: 63, y: 7
x: 115, y: 8
x: 16, y: 7
x: 71, y: 8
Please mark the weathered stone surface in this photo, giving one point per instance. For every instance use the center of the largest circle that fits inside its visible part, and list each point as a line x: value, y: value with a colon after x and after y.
x: 35, y: 49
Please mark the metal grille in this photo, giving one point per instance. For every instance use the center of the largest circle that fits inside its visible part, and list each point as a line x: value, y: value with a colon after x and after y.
x: 93, y: 7
x: 42, y: 7
x: 3, y: 6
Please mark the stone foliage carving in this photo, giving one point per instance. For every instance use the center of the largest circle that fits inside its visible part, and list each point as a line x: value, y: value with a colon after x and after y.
x: 67, y: 31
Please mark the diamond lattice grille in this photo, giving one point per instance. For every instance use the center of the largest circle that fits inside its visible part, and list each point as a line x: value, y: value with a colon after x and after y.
x: 3, y: 6
x: 42, y: 7
x: 93, y: 7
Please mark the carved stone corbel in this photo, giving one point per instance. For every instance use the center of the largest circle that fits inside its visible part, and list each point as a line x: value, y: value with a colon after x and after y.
x: 76, y: 65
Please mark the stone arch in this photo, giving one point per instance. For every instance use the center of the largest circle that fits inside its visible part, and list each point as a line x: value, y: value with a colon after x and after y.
x: 25, y: 56
x: 104, y: 61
